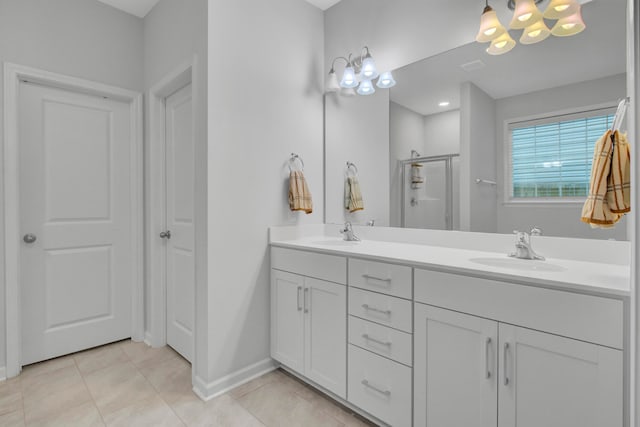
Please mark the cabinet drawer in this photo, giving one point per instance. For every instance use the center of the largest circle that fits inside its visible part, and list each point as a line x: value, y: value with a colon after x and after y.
x: 380, y: 386
x: 380, y: 339
x: 326, y: 267
x: 389, y: 311
x: 584, y: 317
x: 381, y: 277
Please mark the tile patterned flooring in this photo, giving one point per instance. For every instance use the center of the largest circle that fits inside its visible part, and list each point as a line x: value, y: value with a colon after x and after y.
x: 131, y: 384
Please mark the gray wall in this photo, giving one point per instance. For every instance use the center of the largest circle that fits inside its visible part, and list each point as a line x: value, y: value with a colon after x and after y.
x: 80, y: 38
x: 175, y: 32
x: 477, y: 160
x: 265, y: 102
x: 442, y: 133
x: 557, y: 219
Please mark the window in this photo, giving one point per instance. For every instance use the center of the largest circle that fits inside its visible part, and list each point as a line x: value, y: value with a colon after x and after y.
x: 551, y: 158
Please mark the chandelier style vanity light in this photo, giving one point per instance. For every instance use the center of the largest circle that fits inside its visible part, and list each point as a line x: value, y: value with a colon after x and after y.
x: 527, y: 17
x: 358, y: 73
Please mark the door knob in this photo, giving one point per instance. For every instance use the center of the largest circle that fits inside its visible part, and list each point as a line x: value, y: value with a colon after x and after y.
x: 29, y: 238
x: 166, y: 234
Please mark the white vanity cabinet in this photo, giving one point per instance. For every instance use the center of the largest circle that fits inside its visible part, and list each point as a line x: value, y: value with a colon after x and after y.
x: 308, y: 317
x: 481, y: 370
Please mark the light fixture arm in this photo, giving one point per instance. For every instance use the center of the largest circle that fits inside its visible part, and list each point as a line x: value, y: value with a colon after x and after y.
x: 333, y: 64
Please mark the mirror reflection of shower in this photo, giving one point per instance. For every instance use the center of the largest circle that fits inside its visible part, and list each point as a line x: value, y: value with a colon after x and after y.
x: 430, y: 192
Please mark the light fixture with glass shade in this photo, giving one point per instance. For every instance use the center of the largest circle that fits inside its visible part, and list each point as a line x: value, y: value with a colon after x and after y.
x: 569, y: 25
x: 501, y: 45
x: 359, y: 73
x: 526, y: 13
x: 558, y: 9
x: 490, y: 26
x: 535, y: 33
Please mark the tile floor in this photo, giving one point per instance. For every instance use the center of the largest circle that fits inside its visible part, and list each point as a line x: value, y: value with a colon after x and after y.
x: 131, y: 384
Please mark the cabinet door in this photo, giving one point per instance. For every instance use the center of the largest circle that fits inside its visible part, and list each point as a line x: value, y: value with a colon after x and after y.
x: 455, y: 369
x: 551, y: 381
x: 287, y: 319
x: 325, y: 306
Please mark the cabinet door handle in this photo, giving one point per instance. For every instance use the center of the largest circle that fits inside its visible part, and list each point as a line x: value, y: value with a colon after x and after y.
x: 506, y: 351
x: 487, y: 346
x: 377, y: 310
x: 384, y: 392
x: 306, y: 300
x: 368, y: 277
x: 368, y: 338
x: 299, y: 292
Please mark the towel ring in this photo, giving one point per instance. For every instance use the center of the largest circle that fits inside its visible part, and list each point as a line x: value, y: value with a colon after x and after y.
x: 352, y: 166
x: 293, y: 158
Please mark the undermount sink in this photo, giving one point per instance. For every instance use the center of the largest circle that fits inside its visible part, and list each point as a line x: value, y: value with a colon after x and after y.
x: 336, y: 243
x: 518, y: 264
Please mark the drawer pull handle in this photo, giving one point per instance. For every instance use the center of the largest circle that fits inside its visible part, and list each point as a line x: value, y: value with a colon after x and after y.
x: 368, y: 338
x: 486, y: 356
x: 377, y: 310
x: 306, y: 300
x: 384, y: 392
x: 368, y: 277
x: 299, y: 292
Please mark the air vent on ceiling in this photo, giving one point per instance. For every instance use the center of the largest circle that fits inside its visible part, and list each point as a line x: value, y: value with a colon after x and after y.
x: 473, y: 65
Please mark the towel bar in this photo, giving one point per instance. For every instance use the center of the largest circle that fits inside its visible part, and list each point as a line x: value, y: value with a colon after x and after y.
x: 293, y: 158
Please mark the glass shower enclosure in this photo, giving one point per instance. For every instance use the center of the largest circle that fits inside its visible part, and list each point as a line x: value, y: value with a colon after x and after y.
x: 430, y: 192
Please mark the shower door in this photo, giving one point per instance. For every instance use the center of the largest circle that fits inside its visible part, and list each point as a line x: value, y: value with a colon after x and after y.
x: 427, y: 193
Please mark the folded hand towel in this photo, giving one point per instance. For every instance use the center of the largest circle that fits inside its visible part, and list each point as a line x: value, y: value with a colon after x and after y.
x: 299, y: 195
x: 619, y: 182
x: 608, y: 198
x: 352, y: 195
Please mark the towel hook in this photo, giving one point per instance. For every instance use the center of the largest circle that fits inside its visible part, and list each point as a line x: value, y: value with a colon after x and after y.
x: 293, y: 158
x: 353, y: 166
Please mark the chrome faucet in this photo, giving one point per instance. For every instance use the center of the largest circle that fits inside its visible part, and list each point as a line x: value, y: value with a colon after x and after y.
x: 523, y: 245
x: 348, y: 233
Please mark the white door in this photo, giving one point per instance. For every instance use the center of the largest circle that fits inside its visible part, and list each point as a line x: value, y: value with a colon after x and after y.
x: 455, y: 369
x: 325, y: 306
x: 551, y: 381
x: 75, y: 212
x: 179, y: 234
x: 287, y: 319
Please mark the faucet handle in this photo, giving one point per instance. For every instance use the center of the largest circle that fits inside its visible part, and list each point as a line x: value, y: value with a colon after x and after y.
x: 536, y: 231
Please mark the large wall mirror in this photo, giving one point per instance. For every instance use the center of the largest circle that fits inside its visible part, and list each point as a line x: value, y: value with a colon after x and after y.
x: 474, y: 142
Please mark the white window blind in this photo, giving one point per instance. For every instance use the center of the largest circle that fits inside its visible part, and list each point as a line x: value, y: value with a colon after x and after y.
x: 551, y: 158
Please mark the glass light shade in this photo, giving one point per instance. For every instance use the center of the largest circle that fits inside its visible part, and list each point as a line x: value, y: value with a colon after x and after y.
x: 525, y: 14
x: 569, y: 26
x: 490, y: 26
x: 502, y: 44
x: 559, y: 9
x: 386, y: 80
x: 535, y: 33
x: 349, y: 78
x: 369, y: 70
x: 366, y: 88
x: 347, y: 92
x: 332, y: 84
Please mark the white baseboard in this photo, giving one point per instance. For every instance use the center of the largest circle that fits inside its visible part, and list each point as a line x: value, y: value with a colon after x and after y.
x: 207, y: 391
x: 147, y: 338
x: 3, y: 373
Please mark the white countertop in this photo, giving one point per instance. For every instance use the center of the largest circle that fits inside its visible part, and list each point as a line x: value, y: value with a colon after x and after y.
x: 589, y: 277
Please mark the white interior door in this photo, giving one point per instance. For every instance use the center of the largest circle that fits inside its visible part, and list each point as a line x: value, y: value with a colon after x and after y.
x: 180, y: 182
x: 75, y: 212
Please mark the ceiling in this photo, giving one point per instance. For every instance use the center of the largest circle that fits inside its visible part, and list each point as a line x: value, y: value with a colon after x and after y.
x: 139, y: 8
x: 323, y: 4
x: 597, y: 52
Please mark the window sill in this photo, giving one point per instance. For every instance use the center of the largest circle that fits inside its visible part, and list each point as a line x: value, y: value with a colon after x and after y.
x: 544, y: 202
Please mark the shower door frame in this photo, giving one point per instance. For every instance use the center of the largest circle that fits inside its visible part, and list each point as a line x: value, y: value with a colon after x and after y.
x: 448, y: 159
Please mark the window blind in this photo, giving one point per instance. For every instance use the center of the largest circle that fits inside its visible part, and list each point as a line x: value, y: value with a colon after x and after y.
x: 551, y: 158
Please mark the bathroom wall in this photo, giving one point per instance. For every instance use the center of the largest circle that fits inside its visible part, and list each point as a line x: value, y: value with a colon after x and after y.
x: 357, y: 130
x: 442, y: 133
x: 556, y: 219
x: 80, y: 38
x: 477, y: 159
x: 266, y: 73
x: 175, y: 32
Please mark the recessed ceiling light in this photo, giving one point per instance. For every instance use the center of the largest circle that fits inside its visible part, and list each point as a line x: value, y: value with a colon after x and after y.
x: 444, y: 104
